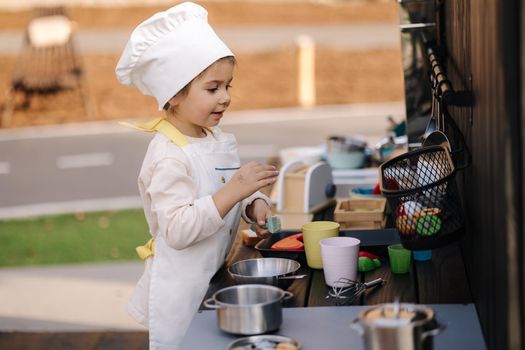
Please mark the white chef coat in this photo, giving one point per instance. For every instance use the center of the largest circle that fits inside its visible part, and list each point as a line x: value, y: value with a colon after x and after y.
x: 176, y: 182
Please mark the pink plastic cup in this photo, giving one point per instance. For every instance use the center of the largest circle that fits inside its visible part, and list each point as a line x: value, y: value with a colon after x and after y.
x: 340, y: 256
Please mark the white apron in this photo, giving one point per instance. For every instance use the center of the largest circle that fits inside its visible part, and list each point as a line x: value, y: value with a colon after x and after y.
x: 179, y: 279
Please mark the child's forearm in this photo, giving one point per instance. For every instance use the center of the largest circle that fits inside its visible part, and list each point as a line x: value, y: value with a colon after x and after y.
x: 225, y: 199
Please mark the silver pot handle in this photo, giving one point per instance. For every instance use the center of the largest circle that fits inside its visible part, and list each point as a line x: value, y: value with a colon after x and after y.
x: 210, y: 304
x: 293, y: 277
x: 356, y: 326
x: 287, y: 295
x: 433, y: 332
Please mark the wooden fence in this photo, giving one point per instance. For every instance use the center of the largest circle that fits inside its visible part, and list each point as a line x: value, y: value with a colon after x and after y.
x: 483, y: 56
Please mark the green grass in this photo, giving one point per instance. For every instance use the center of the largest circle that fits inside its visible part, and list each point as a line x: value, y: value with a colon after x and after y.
x: 75, y: 238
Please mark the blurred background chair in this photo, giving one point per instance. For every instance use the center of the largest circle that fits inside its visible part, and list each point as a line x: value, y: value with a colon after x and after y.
x: 47, y: 62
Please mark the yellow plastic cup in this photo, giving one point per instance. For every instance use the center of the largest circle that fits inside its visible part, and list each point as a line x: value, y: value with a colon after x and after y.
x: 313, y: 232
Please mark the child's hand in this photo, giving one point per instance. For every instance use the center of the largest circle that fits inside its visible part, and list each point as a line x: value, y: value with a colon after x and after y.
x: 259, y: 211
x: 252, y: 177
x: 246, y: 181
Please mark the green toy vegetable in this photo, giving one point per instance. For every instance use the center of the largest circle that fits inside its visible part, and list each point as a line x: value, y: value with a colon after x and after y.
x: 366, y: 264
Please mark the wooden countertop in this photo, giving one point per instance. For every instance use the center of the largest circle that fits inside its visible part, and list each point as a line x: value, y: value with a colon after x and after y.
x: 441, y: 280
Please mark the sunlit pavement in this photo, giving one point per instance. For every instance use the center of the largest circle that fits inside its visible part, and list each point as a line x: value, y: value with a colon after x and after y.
x: 357, y: 37
x: 105, y: 157
x: 84, y: 297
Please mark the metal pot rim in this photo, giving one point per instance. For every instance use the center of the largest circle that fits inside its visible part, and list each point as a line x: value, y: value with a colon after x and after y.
x: 296, y: 266
x: 246, y: 286
x: 429, y: 315
x: 257, y: 277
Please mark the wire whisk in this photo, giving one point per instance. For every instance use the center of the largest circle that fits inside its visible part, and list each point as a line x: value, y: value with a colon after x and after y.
x: 346, y: 291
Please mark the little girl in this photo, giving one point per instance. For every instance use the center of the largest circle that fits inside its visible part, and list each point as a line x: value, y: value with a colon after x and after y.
x: 191, y: 183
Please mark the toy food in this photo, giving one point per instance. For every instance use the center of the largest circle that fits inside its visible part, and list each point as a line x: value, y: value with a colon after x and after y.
x: 362, y: 253
x: 406, y: 225
x: 250, y: 238
x: 409, y: 208
x: 406, y: 214
x: 428, y: 211
x: 427, y: 221
x: 366, y: 264
x: 286, y: 346
x: 392, y: 184
x: 293, y: 242
x: 428, y: 224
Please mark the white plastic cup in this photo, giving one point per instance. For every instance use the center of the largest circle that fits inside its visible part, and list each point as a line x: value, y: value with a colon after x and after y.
x: 340, y: 258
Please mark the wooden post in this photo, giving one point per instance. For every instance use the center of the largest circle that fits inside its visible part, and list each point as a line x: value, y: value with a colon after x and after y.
x: 306, y: 71
x: 9, y: 103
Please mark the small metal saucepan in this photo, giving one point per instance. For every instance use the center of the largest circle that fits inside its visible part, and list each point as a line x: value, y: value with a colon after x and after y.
x: 277, y: 272
x: 397, y: 326
x: 248, y: 309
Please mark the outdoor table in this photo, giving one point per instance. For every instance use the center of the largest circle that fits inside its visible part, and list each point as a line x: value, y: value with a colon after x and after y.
x: 314, y: 319
x: 328, y: 328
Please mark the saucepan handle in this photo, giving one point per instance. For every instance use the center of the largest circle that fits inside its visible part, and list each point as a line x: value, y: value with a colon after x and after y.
x: 293, y: 277
x: 287, y: 295
x: 356, y: 326
x: 210, y: 304
x: 433, y: 332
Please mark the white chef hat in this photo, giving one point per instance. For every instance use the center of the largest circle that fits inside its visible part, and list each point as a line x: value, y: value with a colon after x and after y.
x: 168, y: 50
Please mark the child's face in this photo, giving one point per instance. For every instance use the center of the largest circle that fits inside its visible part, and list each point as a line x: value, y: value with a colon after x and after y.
x: 206, y: 100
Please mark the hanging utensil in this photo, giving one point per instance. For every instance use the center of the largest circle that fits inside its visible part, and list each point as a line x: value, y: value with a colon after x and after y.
x: 440, y: 110
x: 435, y: 104
x: 437, y: 138
x: 439, y: 120
x: 433, y: 123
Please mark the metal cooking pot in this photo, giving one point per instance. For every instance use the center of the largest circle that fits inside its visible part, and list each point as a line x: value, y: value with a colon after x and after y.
x: 277, y: 272
x: 345, y: 144
x: 397, y: 326
x: 248, y: 309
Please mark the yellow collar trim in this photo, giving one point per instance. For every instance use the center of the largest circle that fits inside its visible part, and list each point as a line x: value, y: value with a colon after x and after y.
x: 163, y: 126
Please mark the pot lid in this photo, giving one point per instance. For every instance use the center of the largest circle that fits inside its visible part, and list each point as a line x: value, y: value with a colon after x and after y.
x: 396, y: 315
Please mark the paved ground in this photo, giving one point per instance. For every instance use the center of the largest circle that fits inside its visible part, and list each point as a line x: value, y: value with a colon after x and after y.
x: 105, y: 157
x: 89, y: 297
x: 253, y: 39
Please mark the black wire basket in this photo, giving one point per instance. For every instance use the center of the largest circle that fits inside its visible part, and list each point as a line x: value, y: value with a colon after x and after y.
x: 422, y: 193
